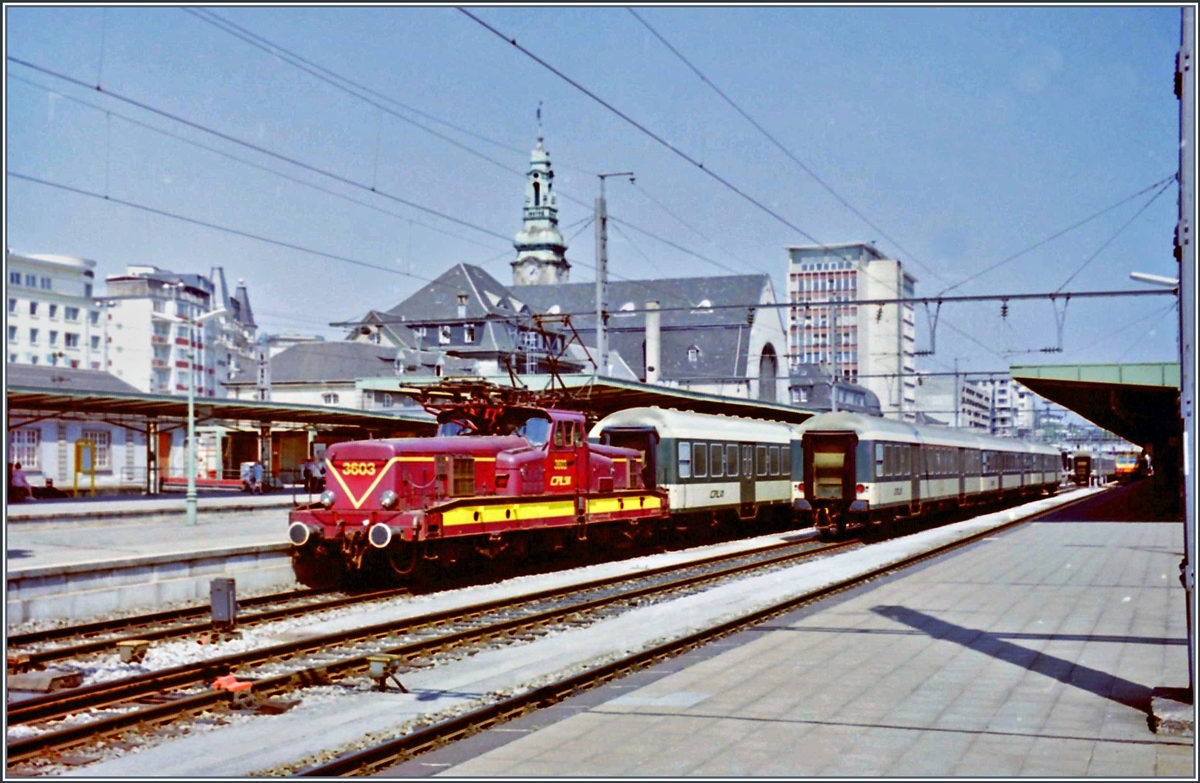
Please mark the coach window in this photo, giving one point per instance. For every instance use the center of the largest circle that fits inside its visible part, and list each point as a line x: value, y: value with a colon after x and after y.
x: 748, y: 461
x: 785, y: 460
x: 731, y: 460
x: 878, y: 460
x: 716, y: 460
x: 906, y: 462
x: 685, y: 460
x: 699, y: 460
x: 773, y: 452
x: 760, y: 453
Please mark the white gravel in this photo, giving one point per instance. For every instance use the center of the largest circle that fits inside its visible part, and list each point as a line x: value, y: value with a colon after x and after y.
x: 336, y: 719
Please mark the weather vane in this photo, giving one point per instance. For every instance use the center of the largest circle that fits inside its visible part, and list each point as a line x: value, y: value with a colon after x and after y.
x: 539, y: 120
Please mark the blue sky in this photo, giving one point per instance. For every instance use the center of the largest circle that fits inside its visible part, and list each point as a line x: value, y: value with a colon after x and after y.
x: 965, y: 134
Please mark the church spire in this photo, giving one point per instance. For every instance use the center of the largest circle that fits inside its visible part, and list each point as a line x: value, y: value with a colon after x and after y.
x: 541, y: 249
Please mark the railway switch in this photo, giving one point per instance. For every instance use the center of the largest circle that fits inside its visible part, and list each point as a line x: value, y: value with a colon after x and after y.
x: 384, y: 668
x: 133, y: 650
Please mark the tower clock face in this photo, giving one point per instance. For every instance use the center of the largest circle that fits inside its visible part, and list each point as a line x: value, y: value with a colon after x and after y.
x: 531, y: 271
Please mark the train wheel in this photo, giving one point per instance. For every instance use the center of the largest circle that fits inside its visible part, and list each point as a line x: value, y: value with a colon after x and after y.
x: 316, y: 570
x: 403, y: 559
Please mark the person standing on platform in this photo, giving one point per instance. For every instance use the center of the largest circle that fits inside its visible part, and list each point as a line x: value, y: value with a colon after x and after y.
x: 256, y: 473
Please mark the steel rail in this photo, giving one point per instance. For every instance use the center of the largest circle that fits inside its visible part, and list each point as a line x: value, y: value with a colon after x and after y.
x: 31, y: 659
x: 375, y: 759
x: 152, y: 618
x: 107, y: 694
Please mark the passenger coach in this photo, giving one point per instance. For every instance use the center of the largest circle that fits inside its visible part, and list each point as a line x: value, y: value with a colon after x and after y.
x: 861, y: 472
x: 711, y: 467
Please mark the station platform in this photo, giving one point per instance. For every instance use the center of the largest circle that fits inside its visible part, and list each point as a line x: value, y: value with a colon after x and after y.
x: 81, y: 559
x: 108, y: 507
x: 1035, y: 652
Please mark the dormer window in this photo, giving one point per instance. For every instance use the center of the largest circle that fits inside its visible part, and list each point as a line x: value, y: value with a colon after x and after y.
x: 693, y: 355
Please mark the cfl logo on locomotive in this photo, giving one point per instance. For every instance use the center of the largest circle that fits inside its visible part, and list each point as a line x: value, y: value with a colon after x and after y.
x: 358, y: 469
x: 560, y: 481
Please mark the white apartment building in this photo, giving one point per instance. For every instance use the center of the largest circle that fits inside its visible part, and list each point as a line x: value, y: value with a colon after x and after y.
x: 52, y: 316
x: 149, y: 350
x: 936, y: 398
x: 1011, y: 406
x: 873, y: 346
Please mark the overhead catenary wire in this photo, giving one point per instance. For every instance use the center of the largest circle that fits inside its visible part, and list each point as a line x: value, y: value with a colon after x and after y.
x: 725, y: 182
x: 1058, y: 234
x: 1116, y: 234
x: 808, y: 170
x: 258, y: 148
x: 245, y: 162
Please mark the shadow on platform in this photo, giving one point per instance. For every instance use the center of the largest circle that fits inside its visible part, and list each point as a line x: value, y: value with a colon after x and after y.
x: 1140, y: 501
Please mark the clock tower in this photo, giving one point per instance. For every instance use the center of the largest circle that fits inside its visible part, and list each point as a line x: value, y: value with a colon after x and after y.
x: 541, y: 249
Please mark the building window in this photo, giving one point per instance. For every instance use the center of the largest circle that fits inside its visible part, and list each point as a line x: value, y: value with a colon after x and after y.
x: 31, y: 281
x: 94, y: 317
x: 46, y: 284
x: 95, y: 342
x: 33, y: 335
x: 53, y: 311
x: 693, y: 355
x: 14, y: 278
x: 12, y: 334
x: 330, y: 398
x: 33, y: 359
x: 54, y: 338
x: 103, y: 441
x: 33, y: 308
x: 469, y: 334
x: 26, y: 447
x: 12, y: 306
x: 95, y: 365
x: 162, y: 329
x: 71, y: 313
x: 87, y: 290
x: 70, y: 339
x: 443, y: 335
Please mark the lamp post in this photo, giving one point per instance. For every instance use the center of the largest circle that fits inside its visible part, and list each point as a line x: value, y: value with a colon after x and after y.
x: 602, y: 274
x: 191, y: 323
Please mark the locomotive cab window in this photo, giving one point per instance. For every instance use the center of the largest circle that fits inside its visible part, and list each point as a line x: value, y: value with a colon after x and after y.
x: 699, y: 460
x: 685, y: 460
x: 558, y: 433
x: 536, y: 430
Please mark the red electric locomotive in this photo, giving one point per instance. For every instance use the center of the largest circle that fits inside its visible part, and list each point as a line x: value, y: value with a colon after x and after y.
x: 496, y: 478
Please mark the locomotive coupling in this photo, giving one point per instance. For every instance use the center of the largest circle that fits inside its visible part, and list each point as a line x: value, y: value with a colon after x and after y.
x: 300, y: 532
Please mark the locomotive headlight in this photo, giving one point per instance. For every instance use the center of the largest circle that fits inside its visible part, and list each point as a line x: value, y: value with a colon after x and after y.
x: 327, y: 498
x: 389, y: 499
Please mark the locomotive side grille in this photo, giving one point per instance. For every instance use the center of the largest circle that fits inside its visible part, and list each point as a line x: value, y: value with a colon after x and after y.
x: 463, y: 482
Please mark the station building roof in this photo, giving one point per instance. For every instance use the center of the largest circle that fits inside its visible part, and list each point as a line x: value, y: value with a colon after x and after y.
x: 1139, y: 402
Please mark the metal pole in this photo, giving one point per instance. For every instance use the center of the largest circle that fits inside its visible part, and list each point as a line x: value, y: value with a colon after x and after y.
x: 833, y: 344
x: 957, y: 395
x: 191, y: 428
x: 601, y: 283
x: 1186, y: 254
x: 602, y: 274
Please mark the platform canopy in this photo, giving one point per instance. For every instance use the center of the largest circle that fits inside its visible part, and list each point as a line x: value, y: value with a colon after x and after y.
x: 1138, y: 402
x: 26, y: 404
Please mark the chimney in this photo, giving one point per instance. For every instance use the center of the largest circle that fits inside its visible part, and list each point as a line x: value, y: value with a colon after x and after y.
x: 653, y: 342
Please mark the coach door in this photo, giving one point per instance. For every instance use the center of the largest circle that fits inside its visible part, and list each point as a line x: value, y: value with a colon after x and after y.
x: 915, y: 463
x: 746, y: 482
x: 829, y: 466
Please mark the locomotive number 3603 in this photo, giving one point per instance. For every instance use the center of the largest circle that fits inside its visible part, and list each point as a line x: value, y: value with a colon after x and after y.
x: 358, y: 468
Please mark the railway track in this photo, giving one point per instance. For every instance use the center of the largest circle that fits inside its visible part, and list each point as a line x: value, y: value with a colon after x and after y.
x: 105, y: 635
x: 170, y: 695
x: 384, y: 755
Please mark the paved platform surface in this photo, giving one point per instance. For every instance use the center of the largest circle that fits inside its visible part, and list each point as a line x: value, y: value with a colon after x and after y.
x: 68, y: 542
x: 137, y: 506
x: 1032, y: 653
